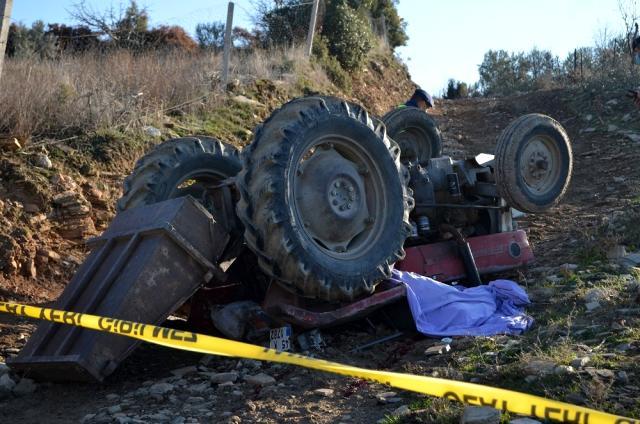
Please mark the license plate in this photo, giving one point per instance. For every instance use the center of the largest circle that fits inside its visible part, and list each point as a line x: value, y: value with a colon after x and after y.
x: 280, y: 339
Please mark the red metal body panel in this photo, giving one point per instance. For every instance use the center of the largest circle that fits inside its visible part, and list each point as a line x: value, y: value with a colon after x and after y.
x: 290, y: 308
x: 492, y: 253
x: 441, y: 261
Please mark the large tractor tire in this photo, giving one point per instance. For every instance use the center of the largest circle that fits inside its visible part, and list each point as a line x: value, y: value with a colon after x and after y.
x: 416, y: 133
x: 187, y: 166
x: 533, y: 163
x: 324, y: 199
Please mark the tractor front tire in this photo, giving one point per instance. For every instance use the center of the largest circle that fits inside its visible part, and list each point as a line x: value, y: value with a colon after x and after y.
x: 533, y: 163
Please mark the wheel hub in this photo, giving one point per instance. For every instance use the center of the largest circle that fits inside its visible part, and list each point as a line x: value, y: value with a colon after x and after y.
x: 331, y: 198
x: 343, y: 194
x: 539, y: 164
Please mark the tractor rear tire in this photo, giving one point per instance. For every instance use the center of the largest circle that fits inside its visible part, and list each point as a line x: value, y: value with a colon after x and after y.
x: 324, y: 199
x: 185, y: 166
x: 416, y: 133
x: 533, y: 163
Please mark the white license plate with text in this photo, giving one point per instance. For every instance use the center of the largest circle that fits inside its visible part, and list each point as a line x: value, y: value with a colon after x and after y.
x: 280, y: 339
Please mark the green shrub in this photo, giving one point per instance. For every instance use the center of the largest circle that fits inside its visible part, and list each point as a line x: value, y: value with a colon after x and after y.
x: 283, y: 22
x: 456, y: 89
x: 210, y: 35
x: 336, y: 74
x: 23, y: 42
x: 348, y: 35
x: 65, y: 93
x: 320, y: 48
x: 388, y: 11
x: 330, y: 64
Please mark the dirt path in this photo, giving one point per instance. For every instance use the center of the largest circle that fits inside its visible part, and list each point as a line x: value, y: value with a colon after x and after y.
x: 605, y: 162
x: 154, y: 386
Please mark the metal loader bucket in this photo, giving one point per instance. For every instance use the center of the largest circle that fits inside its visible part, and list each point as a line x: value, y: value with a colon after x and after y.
x: 145, y: 265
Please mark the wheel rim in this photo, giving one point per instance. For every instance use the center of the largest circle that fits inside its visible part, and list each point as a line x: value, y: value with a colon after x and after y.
x: 337, y: 197
x: 540, y: 165
x: 204, y: 186
x: 415, y: 146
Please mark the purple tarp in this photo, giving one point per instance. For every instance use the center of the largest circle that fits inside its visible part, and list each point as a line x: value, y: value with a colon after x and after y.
x: 442, y: 310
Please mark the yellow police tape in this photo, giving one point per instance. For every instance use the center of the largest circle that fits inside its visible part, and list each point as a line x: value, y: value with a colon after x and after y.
x: 473, y: 394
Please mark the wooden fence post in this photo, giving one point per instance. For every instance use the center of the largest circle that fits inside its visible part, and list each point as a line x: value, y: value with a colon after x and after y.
x: 228, y: 44
x: 312, y: 27
x: 5, y: 10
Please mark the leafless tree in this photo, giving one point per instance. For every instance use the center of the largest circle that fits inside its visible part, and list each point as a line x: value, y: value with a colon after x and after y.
x: 629, y: 14
x: 123, y: 25
x: 603, y: 42
x: 104, y: 22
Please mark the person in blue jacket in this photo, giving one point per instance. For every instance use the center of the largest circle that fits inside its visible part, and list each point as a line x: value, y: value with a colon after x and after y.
x: 420, y: 99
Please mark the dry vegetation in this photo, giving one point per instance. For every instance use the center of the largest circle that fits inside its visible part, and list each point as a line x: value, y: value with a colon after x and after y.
x: 120, y: 89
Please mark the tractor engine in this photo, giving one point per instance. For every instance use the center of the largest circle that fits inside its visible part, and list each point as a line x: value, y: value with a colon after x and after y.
x: 460, y: 193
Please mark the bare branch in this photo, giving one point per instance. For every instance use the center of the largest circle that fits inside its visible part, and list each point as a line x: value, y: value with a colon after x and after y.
x: 629, y: 14
x: 103, y: 22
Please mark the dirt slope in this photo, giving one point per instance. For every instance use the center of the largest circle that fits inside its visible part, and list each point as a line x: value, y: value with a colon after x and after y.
x: 599, y: 212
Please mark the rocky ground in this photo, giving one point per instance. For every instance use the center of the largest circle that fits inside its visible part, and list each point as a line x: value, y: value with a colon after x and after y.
x: 584, y: 346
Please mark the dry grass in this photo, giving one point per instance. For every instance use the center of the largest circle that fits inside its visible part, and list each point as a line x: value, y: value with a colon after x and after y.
x: 55, y: 98
x: 278, y: 65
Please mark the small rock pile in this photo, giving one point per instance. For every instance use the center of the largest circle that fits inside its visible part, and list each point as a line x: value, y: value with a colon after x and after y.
x: 9, y: 255
x: 488, y: 415
x: 17, y: 251
x: 539, y: 368
x: 12, y: 385
x: 190, y: 394
x: 73, y: 212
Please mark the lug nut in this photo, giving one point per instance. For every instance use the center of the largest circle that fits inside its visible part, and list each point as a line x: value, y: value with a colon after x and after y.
x: 351, y: 189
x: 336, y: 184
x: 348, y: 205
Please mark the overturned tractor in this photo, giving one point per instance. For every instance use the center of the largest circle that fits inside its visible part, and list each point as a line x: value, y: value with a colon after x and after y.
x: 308, y: 220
